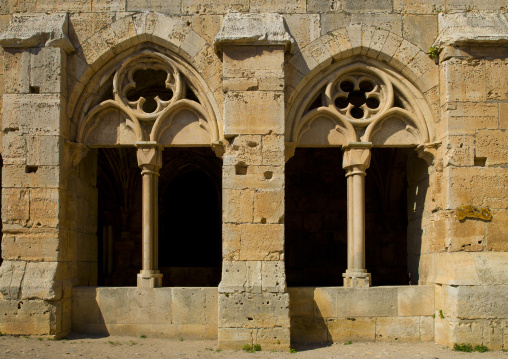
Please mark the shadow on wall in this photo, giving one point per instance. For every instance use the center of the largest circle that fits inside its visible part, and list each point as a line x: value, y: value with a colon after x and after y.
x: 308, y: 326
x: 1, y: 222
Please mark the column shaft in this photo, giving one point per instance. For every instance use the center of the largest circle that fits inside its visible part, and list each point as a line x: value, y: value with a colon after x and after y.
x: 148, y: 233
x: 150, y: 161
x: 356, y: 161
x: 358, y: 180
x: 350, y: 215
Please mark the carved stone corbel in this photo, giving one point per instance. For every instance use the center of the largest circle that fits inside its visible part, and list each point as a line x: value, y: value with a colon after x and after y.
x: 219, y: 149
x: 289, y: 150
x: 48, y: 30
x: 427, y: 151
x: 77, y: 151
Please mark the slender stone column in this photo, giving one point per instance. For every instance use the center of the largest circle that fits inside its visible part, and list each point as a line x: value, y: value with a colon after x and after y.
x: 150, y: 161
x: 356, y: 161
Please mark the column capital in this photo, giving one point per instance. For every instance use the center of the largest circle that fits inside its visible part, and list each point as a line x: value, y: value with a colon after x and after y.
x: 149, y: 155
x: 356, y: 157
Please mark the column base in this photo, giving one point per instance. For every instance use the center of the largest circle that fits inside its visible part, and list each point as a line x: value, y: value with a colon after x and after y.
x: 356, y: 278
x: 149, y: 279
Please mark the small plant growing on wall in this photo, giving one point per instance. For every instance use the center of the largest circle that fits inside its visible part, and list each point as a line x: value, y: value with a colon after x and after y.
x: 466, y: 348
x: 433, y: 52
x: 251, y: 348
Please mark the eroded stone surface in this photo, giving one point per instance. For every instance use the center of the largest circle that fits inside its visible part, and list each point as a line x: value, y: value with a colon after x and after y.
x: 254, y: 82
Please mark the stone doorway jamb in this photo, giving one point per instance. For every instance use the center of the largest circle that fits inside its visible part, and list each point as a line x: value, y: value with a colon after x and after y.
x: 150, y: 161
x: 356, y: 160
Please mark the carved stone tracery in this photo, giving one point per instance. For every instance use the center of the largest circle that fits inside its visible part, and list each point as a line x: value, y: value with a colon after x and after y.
x: 359, y: 102
x: 152, y: 66
x: 359, y: 96
x: 140, y: 100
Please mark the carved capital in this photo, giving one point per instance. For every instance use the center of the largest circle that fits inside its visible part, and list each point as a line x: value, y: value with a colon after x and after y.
x: 77, y: 151
x: 427, y: 151
x: 356, y: 157
x: 149, y: 156
x: 289, y: 150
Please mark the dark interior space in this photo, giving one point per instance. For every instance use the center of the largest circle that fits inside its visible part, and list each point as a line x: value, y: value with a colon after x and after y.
x: 190, y: 242
x: 190, y: 212
x: 386, y: 216
x: 119, y: 223
x: 316, y: 217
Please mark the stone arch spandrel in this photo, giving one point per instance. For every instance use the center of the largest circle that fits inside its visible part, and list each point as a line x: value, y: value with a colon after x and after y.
x: 410, y: 64
x: 100, y: 54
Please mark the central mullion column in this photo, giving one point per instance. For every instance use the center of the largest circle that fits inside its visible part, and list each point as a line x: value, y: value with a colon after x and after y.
x: 356, y: 161
x: 253, y: 298
x: 150, y: 161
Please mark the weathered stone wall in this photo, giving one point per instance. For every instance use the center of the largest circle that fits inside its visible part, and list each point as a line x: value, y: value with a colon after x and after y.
x: 472, y: 171
x: 189, y: 313
x: 252, y: 86
x: 37, y: 263
x: 335, y: 314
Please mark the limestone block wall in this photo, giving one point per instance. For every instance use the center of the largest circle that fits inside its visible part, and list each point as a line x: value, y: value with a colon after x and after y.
x: 460, y: 254
x: 337, y: 314
x: 253, y: 301
x: 189, y: 313
x: 37, y: 268
x: 252, y: 83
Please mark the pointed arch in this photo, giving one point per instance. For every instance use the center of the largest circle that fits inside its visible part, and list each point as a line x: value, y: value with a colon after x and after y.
x: 413, y: 74
x: 395, y: 100
x: 99, y: 57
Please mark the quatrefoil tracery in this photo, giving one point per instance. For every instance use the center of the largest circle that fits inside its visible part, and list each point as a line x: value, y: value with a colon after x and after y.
x: 357, y: 97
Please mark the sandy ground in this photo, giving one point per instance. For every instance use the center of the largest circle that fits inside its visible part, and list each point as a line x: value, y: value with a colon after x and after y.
x: 130, y: 347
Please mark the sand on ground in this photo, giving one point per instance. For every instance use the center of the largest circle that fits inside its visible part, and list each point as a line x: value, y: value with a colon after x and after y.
x: 86, y: 346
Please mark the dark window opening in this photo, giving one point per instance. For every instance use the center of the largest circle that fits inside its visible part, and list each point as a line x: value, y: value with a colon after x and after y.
x: 119, y: 223
x: 316, y: 217
x: 190, y: 212
x: 386, y: 240
x: 190, y: 237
